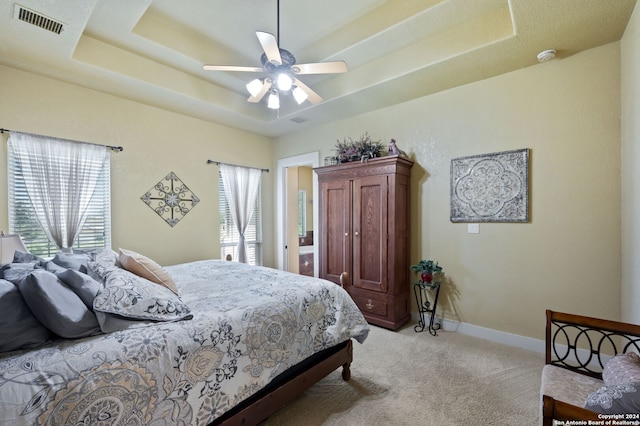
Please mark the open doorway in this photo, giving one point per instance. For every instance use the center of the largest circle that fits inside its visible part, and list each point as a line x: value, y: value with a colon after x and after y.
x: 297, y: 213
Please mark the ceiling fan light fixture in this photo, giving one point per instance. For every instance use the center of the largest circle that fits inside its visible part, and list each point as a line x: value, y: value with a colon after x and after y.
x: 285, y: 82
x: 281, y: 72
x: 274, y: 100
x: 254, y: 86
x: 299, y: 95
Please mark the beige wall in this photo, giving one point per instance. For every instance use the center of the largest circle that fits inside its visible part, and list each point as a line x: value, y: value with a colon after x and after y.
x: 566, y: 111
x: 155, y: 142
x: 568, y: 257
x: 630, y: 65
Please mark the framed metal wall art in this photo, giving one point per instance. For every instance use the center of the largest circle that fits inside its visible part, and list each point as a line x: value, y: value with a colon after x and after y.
x: 490, y: 187
x: 171, y: 199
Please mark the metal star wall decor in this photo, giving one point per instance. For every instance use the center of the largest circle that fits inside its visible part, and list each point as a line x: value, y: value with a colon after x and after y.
x: 171, y: 199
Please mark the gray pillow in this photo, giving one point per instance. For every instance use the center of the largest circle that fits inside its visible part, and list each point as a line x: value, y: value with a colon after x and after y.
x: 15, y: 272
x: 130, y: 296
x: 82, y: 284
x: 19, y: 329
x: 77, y: 261
x: 24, y: 257
x: 615, y: 399
x: 56, y: 306
x: 52, y: 267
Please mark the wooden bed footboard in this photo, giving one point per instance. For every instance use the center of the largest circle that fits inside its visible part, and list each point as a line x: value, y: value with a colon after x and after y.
x: 553, y: 409
x: 285, y: 389
x: 582, y: 345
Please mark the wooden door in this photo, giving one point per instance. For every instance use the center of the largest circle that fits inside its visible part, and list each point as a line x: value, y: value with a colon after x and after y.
x: 370, y: 200
x: 335, y: 230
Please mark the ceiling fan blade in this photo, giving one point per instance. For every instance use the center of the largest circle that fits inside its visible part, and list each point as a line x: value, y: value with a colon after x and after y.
x: 320, y: 68
x: 265, y: 88
x: 232, y: 68
x: 313, y: 97
x: 270, y: 46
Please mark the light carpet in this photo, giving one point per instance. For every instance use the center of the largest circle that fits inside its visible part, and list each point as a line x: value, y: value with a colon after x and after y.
x: 409, y: 378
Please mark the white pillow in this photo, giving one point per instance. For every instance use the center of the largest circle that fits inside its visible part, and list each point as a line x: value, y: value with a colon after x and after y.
x: 146, y: 268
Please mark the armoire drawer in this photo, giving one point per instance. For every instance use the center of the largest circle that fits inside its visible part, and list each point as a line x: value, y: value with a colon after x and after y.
x: 371, y: 306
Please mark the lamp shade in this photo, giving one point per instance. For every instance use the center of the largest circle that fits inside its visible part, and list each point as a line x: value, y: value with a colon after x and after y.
x: 299, y: 95
x: 9, y: 244
x: 274, y: 100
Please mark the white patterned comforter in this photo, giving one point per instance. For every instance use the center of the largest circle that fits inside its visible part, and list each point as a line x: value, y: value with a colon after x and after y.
x: 249, y: 325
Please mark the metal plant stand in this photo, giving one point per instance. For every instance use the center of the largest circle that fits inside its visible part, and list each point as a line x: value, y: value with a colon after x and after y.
x: 425, y: 309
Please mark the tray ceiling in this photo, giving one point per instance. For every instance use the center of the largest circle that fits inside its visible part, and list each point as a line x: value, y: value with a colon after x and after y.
x: 152, y: 51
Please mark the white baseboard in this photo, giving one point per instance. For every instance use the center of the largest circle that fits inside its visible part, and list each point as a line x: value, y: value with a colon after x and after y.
x: 511, y: 339
x: 497, y: 336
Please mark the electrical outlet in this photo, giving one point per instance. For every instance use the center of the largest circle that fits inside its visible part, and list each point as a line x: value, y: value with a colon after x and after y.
x: 473, y: 228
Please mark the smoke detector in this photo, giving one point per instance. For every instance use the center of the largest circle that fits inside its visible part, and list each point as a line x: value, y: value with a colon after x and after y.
x: 546, y: 55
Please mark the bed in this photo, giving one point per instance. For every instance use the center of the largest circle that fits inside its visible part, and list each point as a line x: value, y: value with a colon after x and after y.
x: 234, y: 344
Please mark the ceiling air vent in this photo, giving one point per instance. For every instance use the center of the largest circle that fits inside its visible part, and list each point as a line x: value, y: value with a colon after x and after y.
x: 34, y: 18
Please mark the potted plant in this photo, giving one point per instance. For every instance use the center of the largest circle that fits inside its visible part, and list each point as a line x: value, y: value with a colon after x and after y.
x: 427, y: 269
x: 360, y: 150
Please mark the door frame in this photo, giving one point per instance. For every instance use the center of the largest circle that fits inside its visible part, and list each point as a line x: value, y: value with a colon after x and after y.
x: 311, y: 159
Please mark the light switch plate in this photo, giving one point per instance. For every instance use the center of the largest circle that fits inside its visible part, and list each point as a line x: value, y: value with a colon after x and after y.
x: 473, y: 228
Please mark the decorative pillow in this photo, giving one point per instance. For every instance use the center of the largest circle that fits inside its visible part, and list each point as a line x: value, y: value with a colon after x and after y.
x: 615, y: 399
x: 130, y: 296
x: 82, y: 284
x: 146, y: 268
x: 622, y: 369
x: 56, y: 306
x: 105, y: 261
x: 19, y: 329
x: 72, y: 261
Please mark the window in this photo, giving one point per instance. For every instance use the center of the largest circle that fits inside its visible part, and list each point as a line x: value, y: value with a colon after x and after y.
x: 302, y: 213
x: 229, y: 234
x: 96, y: 230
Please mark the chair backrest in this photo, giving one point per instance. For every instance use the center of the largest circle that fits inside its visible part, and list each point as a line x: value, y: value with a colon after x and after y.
x: 585, y: 344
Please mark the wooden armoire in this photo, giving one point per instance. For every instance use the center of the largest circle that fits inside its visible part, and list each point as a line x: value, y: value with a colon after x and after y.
x: 364, y: 235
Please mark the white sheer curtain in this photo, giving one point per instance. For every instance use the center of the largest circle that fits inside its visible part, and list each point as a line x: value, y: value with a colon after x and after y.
x: 60, y: 177
x: 241, y: 188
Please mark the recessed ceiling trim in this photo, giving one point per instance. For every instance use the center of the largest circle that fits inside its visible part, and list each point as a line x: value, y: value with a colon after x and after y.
x: 29, y: 16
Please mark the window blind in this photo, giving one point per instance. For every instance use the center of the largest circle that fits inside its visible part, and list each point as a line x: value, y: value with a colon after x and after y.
x: 229, y: 235
x: 95, y: 233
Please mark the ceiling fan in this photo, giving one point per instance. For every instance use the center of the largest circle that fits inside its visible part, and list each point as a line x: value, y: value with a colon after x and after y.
x: 282, y: 71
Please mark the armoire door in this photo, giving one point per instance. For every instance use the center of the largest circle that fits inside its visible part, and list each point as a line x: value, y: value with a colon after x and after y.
x: 335, y: 230
x: 370, y: 203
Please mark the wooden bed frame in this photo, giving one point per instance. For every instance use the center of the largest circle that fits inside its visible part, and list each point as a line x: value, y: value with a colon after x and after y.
x: 617, y: 336
x: 289, y: 385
